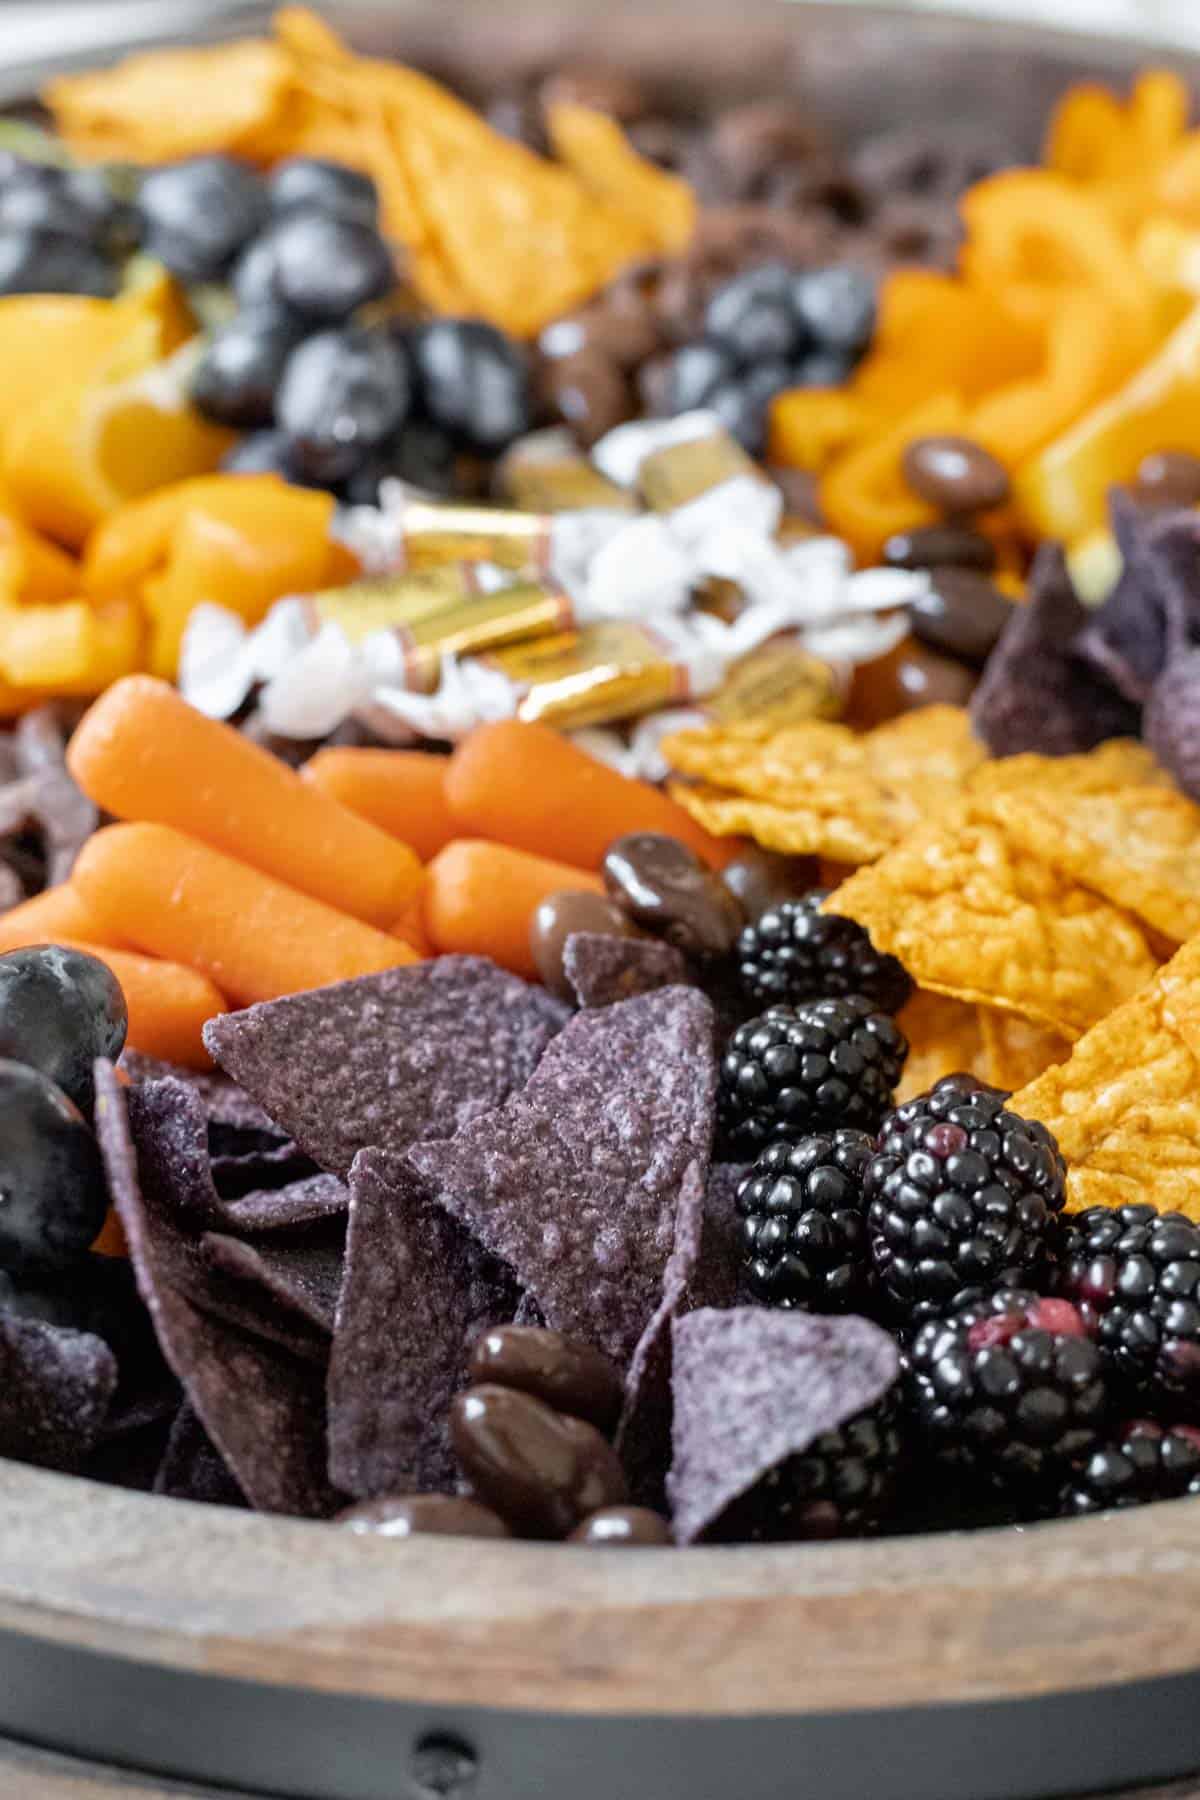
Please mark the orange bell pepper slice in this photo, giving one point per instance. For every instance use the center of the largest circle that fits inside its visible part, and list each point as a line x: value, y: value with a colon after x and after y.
x: 1062, y: 491
x: 808, y: 427
x: 864, y: 495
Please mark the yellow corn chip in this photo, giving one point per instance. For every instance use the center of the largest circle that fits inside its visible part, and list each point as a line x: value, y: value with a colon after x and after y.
x: 847, y: 824
x: 821, y: 789
x: 1117, y: 764
x: 1016, y: 1050
x: 968, y: 914
x: 1125, y: 1107
x: 943, y: 1039
x: 1139, y: 847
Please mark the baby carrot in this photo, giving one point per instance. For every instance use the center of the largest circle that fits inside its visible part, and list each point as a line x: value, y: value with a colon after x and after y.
x: 401, y: 791
x: 143, y: 753
x: 168, y: 1004
x: 528, y: 786
x: 48, y: 918
x: 254, y: 937
x: 480, y: 899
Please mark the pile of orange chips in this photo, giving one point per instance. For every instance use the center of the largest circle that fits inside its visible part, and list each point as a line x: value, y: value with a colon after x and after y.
x: 1036, y: 902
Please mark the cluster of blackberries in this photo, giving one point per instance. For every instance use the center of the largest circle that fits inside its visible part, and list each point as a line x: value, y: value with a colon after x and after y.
x: 1051, y: 1364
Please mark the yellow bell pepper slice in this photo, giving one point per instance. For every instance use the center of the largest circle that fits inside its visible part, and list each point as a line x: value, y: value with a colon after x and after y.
x: 69, y: 648
x: 1062, y: 491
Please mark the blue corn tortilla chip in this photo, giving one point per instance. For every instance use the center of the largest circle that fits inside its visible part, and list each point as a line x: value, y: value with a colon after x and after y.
x: 575, y: 1181
x: 295, y: 1209
x: 418, y: 1292
x: 237, y: 1125
x: 302, y: 1279
x: 389, y: 1059
x: 1037, y: 693
x: 644, y: 1432
x: 753, y: 1387
x: 718, y: 1280
x: 254, y: 1171
x: 603, y: 968
x: 56, y: 1386
x: 263, y: 1408
x: 1125, y: 640
x: 1171, y: 725
x: 192, y: 1468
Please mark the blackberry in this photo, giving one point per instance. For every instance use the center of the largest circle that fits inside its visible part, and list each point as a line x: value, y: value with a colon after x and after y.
x: 795, y: 1068
x: 1135, y: 1273
x: 1143, y: 1462
x: 804, y: 1231
x: 962, y: 1195
x: 845, y: 1483
x: 1010, y: 1387
x: 797, y: 952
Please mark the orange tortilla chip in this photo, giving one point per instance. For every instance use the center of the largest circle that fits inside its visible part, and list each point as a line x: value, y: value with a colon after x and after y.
x: 821, y: 789
x: 1138, y: 846
x: 1125, y: 1107
x: 164, y: 104
x: 1112, y: 766
x: 944, y: 1039
x: 594, y: 148
x: 1016, y: 1050
x: 969, y: 914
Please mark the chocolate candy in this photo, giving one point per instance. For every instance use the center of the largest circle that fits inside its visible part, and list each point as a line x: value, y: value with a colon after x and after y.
x: 941, y: 547
x: 909, y: 676
x: 665, y: 887
x: 955, y: 474
x: 760, y: 879
x: 589, y: 391
x: 423, y: 1515
x: 1168, y: 478
x: 623, y: 1528
x: 620, y: 325
x: 801, y: 495
x: 566, y: 1373
x: 962, y: 615
x: 542, y: 1471
x: 554, y: 921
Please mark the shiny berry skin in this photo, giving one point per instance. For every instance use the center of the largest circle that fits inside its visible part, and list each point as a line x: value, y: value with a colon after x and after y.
x: 472, y: 381
x: 327, y: 187
x: 263, y: 453
x: 1009, y: 1386
x: 197, y: 214
x: 1141, y: 1463
x: 962, y: 1195
x: 1135, y: 1274
x: 60, y: 1009
x: 343, y: 394
x: 795, y: 951
x: 820, y: 1065
x: 844, y: 1484
x: 52, y: 1191
x: 837, y: 308
x: 753, y: 314
x: 325, y: 268
x: 696, y: 373
x: 38, y: 198
x: 241, y: 366
x: 420, y: 454
x: 742, y: 402
x: 49, y: 262
x: 803, y: 1223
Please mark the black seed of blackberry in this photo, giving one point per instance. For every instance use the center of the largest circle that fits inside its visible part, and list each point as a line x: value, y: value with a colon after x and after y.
x: 963, y: 1196
x: 1012, y: 1389
x: 824, y: 1063
x: 797, y: 952
x: 845, y: 1484
x: 1144, y: 1462
x: 803, y: 1223
x: 1135, y: 1274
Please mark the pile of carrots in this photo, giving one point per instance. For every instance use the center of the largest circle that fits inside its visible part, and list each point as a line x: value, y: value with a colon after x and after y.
x: 232, y: 879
